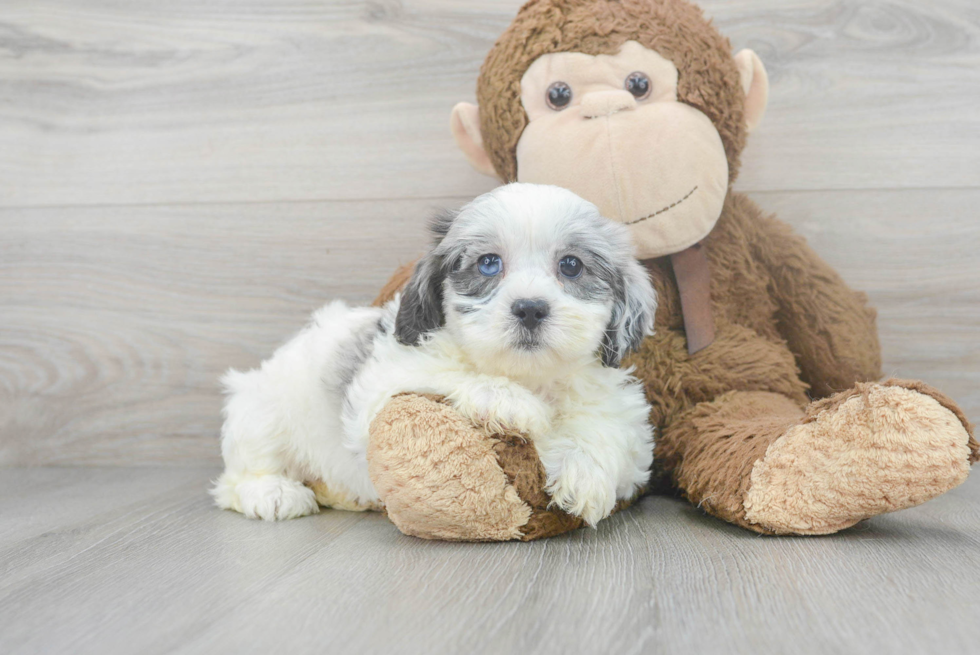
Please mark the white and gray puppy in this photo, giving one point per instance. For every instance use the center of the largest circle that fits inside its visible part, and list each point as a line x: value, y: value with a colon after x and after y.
x: 519, y: 316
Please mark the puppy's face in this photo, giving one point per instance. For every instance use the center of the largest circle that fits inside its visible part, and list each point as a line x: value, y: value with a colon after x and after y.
x: 529, y: 278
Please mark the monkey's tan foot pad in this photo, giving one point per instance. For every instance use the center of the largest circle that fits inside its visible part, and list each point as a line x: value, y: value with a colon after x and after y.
x: 440, y: 478
x: 873, y: 449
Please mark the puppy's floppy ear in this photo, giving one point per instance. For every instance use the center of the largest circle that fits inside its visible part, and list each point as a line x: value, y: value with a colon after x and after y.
x: 420, y: 310
x: 632, y: 316
x: 439, y: 225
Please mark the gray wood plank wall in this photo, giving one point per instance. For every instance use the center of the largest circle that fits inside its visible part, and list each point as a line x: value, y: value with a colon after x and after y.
x: 181, y: 183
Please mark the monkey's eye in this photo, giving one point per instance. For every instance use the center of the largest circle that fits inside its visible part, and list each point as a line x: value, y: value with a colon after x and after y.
x: 558, y: 96
x: 639, y: 85
x: 489, y: 265
x: 570, y: 267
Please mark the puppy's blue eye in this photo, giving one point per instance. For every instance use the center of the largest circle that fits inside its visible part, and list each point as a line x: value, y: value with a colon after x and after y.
x: 570, y: 267
x: 490, y: 265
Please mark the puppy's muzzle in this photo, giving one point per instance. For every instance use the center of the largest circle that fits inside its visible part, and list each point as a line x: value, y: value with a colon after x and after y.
x: 530, y: 313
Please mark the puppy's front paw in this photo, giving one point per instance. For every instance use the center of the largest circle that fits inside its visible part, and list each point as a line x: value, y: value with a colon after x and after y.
x: 275, y: 498
x: 582, y: 488
x: 503, y: 407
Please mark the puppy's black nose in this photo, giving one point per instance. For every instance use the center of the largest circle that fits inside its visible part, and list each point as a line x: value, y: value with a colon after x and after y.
x: 530, y: 312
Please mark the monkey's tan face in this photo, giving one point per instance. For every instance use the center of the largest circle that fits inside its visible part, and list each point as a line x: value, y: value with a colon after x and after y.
x: 610, y: 129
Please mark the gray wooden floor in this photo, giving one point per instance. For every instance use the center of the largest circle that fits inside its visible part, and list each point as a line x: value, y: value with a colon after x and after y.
x: 126, y: 560
x: 182, y: 182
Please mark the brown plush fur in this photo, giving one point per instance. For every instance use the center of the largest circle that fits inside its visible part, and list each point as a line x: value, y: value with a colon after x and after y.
x: 709, y: 79
x: 913, y: 385
x: 519, y: 461
x: 708, y: 437
x: 788, y: 330
x: 452, y: 482
x: 872, y: 449
x: 714, y: 445
x: 521, y: 465
x: 439, y: 476
x: 803, y: 334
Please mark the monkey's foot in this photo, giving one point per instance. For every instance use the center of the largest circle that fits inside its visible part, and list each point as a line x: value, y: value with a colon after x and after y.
x: 870, y: 450
x: 440, y: 477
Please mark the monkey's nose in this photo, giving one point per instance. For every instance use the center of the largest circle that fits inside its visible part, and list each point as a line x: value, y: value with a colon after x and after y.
x: 530, y: 312
x: 606, y: 103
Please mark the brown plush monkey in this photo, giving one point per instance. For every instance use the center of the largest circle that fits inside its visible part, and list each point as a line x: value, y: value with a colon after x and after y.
x: 761, y: 371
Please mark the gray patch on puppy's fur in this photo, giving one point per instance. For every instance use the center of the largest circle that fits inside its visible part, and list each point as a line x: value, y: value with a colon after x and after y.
x: 440, y: 223
x: 420, y: 310
x: 352, y: 354
x: 598, y: 281
x: 470, y: 283
x: 610, y: 273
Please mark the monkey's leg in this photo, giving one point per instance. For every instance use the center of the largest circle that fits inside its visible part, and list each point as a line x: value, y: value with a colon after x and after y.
x: 757, y: 460
x: 441, y: 478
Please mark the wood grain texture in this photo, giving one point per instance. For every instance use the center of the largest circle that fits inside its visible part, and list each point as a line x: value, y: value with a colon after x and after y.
x: 118, y: 321
x: 914, y: 253
x: 182, y: 182
x: 142, y: 102
x: 140, y: 562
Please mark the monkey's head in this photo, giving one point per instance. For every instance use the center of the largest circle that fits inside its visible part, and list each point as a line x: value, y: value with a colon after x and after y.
x: 636, y: 105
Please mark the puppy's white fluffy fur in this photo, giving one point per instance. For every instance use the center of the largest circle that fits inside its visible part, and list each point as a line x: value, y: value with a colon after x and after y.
x: 304, y: 415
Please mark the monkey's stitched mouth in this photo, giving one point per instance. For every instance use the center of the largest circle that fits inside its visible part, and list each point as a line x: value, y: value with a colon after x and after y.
x: 667, y: 208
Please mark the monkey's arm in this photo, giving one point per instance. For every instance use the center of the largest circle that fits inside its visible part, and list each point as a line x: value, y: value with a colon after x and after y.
x: 829, y: 327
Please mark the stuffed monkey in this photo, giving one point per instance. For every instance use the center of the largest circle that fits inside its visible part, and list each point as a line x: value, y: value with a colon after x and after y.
x: 761, y: 372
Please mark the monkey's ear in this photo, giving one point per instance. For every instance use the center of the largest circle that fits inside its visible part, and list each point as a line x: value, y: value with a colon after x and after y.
x: 755, y: 85
x: 465, y: 125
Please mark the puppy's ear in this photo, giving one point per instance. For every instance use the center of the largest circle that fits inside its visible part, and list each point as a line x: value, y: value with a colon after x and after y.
x: 439, y: 225
x: 632, y: 315
x: 420, y: 310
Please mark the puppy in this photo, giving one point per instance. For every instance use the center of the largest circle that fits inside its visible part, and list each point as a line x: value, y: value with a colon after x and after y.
x: 519, y: 316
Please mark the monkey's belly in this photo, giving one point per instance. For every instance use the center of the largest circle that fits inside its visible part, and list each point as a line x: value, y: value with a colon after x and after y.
x: 738, y: 359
